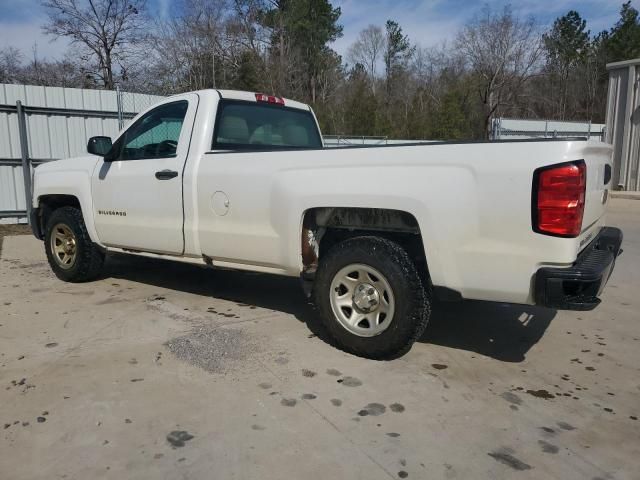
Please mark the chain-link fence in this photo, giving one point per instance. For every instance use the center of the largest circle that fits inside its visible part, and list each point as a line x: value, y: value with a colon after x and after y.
x: 515, y: 128
x: 130, y: 104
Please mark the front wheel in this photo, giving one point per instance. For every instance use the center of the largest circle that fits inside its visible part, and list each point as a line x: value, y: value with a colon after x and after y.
x: 72, y: 255
x: 371, y: 297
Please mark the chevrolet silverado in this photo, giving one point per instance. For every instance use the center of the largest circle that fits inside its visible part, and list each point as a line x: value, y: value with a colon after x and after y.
x: 241, y: 180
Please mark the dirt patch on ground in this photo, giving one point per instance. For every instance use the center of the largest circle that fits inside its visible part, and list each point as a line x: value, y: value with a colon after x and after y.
x: 13, y: 229
x: 212, y: 348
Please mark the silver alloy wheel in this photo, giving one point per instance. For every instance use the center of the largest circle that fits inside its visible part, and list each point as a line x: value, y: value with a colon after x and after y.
x: 63, y: 246
x: 362, y: 300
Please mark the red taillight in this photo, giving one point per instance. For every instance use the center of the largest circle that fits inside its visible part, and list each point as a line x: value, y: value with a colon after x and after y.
x: 558, y: 199
x: 261, y: 97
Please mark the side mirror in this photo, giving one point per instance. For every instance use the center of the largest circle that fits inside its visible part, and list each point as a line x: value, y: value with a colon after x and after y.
x: 99, y: 145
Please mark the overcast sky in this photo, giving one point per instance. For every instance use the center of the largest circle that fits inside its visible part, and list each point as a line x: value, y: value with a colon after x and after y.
x: 427, y: 22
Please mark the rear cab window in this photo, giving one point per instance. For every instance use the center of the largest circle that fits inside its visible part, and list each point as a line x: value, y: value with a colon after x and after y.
x: 242, y: 125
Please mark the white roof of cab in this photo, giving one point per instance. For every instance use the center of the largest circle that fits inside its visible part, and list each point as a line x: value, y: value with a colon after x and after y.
x: 251, y: 97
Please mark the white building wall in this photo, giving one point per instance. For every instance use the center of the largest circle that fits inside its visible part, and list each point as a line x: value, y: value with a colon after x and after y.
x: 52, y: 136
x: 623, y: 122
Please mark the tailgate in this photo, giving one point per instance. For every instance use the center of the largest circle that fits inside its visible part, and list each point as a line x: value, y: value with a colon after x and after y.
x: 597, y: 156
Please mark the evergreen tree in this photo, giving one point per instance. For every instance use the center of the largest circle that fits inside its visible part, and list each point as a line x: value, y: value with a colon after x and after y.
x: 623, y: 41
x: 301, y: 30
x: 397, y: 53
x: 360, y: 118
x: 566, y: 47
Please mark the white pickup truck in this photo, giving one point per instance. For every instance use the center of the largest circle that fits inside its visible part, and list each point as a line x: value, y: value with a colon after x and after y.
x: 241, y: 180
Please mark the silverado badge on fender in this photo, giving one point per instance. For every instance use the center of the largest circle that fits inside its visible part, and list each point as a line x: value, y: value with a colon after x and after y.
x: 112, y: 212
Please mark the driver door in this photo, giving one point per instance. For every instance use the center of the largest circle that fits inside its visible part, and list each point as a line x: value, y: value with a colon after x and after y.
x: 137, y: 197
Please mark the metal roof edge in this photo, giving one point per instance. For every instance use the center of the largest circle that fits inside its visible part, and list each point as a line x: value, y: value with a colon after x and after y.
x: 624, y: 63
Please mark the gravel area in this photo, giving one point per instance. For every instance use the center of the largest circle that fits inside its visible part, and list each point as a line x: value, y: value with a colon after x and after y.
x: 211, y: 347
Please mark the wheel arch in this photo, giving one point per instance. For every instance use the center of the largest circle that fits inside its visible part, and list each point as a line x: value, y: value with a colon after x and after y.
x: 49, y: 202
x: 323, y: 227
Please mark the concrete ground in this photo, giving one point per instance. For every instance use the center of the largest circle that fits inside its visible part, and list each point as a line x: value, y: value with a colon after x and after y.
x: 629, y: 195
x: 162, y: 370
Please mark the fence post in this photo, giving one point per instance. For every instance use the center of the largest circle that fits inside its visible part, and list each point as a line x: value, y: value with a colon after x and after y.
x: 24, y: 153
x: 496, y: 127
x: 119, y: 102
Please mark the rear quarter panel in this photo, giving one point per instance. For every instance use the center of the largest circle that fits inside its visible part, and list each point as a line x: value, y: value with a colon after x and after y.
x: 596, y: 156
x: 472, y: 202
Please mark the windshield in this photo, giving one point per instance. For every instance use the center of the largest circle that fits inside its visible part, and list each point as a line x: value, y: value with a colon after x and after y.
x: 256, y: 126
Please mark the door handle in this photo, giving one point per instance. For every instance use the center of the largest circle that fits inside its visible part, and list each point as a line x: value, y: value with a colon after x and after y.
x: 166, y: 174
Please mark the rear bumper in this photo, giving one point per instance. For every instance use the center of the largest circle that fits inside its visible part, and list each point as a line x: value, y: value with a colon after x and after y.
x: 578, y: 287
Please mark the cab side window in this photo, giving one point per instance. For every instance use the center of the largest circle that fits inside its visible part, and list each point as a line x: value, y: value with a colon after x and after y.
x: 155, y: 135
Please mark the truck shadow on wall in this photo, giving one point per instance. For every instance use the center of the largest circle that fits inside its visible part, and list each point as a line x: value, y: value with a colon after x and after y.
x: 501, y: 331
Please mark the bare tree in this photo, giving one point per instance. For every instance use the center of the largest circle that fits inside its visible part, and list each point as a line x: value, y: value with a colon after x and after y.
x: 38, y: 71
x: 367, y: 50
x: 10, y: 64
x: 502, y: 52
x: 189, y: 50
x: 108, y: 29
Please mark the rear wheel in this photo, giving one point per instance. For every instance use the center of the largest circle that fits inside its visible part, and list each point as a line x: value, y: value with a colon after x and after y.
x: 371, y: 298
x: 72, y: 255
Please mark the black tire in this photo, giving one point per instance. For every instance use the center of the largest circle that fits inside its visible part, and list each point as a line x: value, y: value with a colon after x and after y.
x: 88, y: 259
x: 412, y: 298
